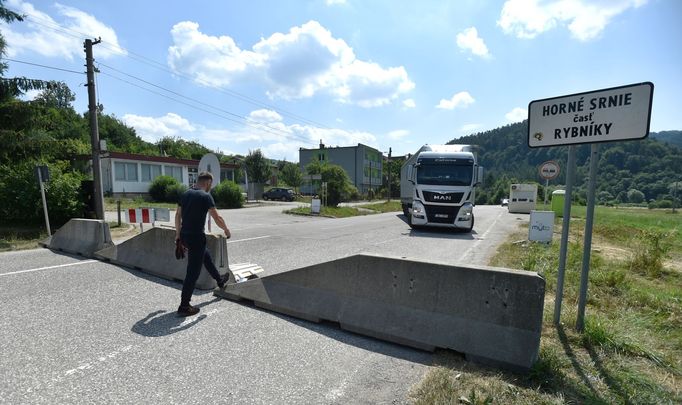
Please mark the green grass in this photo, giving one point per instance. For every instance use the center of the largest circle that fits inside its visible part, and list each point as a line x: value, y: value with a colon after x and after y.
x: 386, y: 206
x: 332, y: 212
x: 139, y: 202
x: 21, y: 237
x: 631, y: 348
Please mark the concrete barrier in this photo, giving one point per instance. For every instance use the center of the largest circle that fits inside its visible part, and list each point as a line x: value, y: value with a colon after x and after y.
x: 492, y: 315
x: 153, y: 252
x: 80, y: 236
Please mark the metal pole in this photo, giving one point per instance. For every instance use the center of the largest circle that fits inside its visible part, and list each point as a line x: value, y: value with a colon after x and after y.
x: 587, y: 245
x: 94, y: 130
x: 389, y: 174
x: 118, y: 210
x: 570, y: 173
x: 546, y: 186
x: 42, y: 193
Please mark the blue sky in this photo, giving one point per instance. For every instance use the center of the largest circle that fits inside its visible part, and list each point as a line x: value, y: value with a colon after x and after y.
x: 280, y: 75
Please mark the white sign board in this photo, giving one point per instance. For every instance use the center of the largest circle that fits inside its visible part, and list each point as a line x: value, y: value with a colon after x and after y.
x: 549, y: 170
x: 541, y: 226
x: 315, y: 206
x: 619, y: 113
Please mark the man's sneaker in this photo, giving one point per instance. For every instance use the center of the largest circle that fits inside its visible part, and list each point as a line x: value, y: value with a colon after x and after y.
x: 187, y: 311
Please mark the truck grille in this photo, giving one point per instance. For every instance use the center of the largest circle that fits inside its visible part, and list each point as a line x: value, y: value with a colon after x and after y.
x: 441, y: 214
x: 449, y: 198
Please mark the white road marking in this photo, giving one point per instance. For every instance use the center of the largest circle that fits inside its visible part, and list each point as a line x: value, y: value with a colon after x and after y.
x: 244, y: 240
x: 49, y: 267
x: 481, y: 238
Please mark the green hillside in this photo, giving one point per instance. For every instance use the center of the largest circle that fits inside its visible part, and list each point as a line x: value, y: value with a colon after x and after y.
x: 650, y: 166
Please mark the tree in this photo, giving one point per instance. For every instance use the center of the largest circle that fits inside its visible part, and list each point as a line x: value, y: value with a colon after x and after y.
x: 291, y: 175
x: 635, y: 196
x: 59, y: 96
x: 257, y: 167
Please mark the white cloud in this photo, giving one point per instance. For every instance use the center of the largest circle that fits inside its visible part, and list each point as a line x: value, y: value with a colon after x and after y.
x: 584, y: 19
x: 517, y: 114
x: 334, y: 2
x: 152, y: 129
x: 409, y: 103
x: 461, y: 99
x: 398, y: 134
x: 468, y: 40
x: 34, y: 34
x: 469, y: 128
x: 263, y: 129
x: 299, y: 64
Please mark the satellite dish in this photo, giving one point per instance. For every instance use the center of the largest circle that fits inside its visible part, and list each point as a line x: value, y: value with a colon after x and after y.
x: 209, y: 163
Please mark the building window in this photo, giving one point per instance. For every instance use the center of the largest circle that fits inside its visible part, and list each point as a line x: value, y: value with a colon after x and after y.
x: 150, y: 172
x: 174, y: 171
x: 125, y: 171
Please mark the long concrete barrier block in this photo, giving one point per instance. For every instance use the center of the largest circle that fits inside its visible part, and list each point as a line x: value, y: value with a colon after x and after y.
x: 153, y: 252
x: 491, y: 314
x: 80, y: 236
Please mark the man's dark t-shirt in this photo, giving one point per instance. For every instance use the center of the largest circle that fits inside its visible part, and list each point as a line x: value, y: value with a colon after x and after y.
x: 195, y: 204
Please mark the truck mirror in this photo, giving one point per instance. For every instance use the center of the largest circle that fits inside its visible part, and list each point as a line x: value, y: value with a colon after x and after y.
x: 479, y: 176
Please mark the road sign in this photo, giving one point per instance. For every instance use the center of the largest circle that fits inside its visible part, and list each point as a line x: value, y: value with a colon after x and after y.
x: 618, y: 113
x: 549, y: 170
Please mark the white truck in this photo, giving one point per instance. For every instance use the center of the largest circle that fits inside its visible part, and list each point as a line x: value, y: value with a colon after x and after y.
x: 438, y: 184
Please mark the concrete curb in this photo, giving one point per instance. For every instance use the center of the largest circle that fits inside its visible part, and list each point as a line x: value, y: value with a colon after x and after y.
x: 80, y: 236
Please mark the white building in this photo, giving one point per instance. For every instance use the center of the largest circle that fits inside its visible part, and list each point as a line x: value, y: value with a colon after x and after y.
x: 128, y: 173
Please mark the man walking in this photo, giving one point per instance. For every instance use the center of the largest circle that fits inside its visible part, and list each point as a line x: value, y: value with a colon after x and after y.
x: 190, y: 217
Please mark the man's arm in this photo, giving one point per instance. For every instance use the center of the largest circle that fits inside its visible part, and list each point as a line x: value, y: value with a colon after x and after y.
x: 219, y: 221
x: 178, y: 222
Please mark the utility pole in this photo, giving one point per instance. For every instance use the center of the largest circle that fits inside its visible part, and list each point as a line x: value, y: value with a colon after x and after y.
x: 94, y: 129
x: 388, y: 164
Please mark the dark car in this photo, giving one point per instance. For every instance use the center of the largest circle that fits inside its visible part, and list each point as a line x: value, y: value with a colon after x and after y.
x: 277, y: 193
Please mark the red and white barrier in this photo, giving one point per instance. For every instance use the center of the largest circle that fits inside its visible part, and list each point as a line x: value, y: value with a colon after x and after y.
x: 140, y: 215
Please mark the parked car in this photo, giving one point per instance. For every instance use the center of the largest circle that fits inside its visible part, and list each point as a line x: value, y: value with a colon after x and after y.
x: 278, y: 193
x: 505, y: 202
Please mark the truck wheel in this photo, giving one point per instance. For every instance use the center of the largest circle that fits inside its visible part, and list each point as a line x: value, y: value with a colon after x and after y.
x: 406, y: 211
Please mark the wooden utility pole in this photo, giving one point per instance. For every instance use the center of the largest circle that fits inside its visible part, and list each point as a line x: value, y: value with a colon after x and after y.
x: 94, y: 129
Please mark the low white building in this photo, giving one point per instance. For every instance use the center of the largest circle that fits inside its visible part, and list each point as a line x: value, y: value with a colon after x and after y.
x: 128, y: 173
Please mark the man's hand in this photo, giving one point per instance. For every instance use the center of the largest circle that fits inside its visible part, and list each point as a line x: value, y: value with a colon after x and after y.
x: 227, y: 233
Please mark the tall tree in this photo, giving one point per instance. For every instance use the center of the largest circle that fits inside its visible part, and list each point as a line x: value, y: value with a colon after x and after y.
x: 257, y: 167
x: 291, y: 175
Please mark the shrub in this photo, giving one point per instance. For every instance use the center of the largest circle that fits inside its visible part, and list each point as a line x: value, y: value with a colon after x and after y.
x: 227, y: 194
x: 651, y: 248
x: 174, y: 192
x: 370, y: 194
x: 21, y: 202
x: 158, y: 190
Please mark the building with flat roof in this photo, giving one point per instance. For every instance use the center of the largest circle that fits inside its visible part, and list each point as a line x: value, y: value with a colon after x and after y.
x: 129, y: 173
x: 362, y: 163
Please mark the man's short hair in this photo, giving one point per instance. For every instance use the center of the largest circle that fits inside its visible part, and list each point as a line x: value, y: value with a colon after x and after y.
x: 205, y: 176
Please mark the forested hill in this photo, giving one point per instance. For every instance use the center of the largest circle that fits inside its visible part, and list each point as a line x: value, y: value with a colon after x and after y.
x: 649, y: 166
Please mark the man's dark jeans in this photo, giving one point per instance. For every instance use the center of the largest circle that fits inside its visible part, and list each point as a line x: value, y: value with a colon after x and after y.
x: 197, y: 254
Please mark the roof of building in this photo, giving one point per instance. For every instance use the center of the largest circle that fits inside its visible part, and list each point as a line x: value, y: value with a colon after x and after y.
x: 159, y: 159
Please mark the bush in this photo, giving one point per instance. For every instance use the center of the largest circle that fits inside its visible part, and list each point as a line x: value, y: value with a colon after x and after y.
x: 21, y: 202
x: 370, y: 194
x: 158, y: 190
x: 227, y: 194
x: 174, y: 192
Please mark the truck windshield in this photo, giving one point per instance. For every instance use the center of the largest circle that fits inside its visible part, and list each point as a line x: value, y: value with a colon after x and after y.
x: 445, y: 175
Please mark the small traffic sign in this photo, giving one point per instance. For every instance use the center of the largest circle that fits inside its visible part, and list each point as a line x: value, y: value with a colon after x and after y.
x: 549, y: 170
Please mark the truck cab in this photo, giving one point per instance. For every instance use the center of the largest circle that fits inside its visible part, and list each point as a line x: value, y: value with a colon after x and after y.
x: 438, y: 187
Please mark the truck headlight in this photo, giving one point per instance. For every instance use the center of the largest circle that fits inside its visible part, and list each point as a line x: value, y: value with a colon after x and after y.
x: 418, y: 210
x: 465, y: 212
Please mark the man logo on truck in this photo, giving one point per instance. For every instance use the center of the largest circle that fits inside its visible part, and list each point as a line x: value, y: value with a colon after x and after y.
x: 442, y: 197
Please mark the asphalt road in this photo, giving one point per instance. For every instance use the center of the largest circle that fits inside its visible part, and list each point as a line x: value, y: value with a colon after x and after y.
x: 75, y: 330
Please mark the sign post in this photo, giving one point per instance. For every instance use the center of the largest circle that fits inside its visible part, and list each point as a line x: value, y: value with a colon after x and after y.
x: 613, y: 114
x: 43, y: 173
x: 548, y: 171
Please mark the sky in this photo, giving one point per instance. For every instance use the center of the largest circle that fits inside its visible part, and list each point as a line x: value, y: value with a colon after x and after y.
x: 237, y: 76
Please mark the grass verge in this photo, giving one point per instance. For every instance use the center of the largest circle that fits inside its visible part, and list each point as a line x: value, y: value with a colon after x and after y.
x: 139, y: 202
x: 386, y: 206
x: 21, y: 237
x: 631, y: 349
x: 332, y: 212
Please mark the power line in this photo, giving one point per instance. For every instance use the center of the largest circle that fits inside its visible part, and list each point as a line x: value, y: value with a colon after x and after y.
x: 150, y: 62
x: 42, y: 66
x: 241, y: 122
x: 282, y: 132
